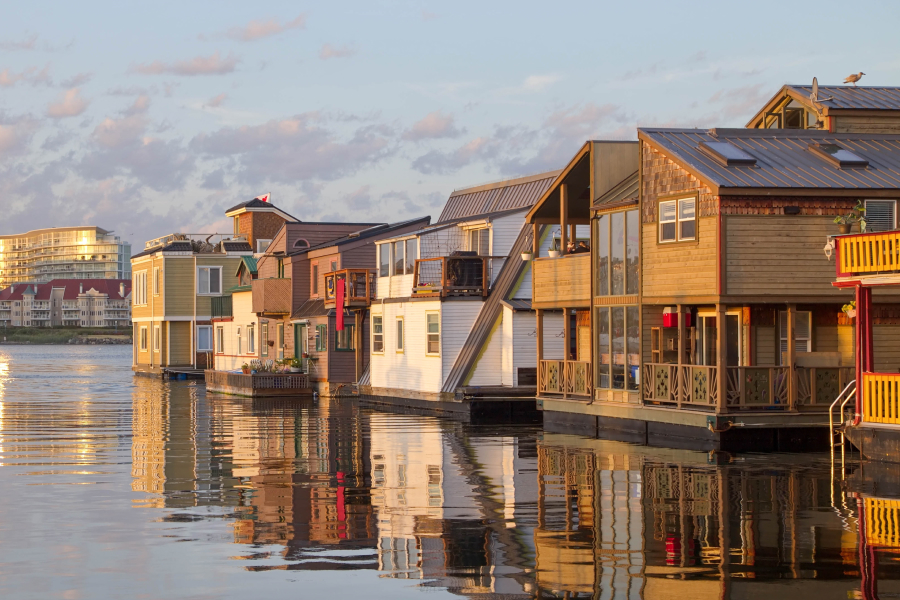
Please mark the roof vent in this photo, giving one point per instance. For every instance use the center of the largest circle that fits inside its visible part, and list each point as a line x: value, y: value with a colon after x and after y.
x: 838, y: 156
x: 727, y: 154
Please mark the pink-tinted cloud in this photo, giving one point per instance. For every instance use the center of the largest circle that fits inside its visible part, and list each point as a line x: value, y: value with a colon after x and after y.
x: 329, y: 51
x: 434, y: 125
x: 31, y: 75
x: 217, y: 101
x: 257, y: 30
x: 70, y: 104
x: 200, y: 65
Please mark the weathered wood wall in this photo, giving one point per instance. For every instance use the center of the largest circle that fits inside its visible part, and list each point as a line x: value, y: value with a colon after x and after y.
x: 562, y: 282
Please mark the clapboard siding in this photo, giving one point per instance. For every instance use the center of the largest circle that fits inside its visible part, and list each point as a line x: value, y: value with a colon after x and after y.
x: 232, y: 359
x: 837, y: 338
x: 651, y: 316
x: 680, y: 269
x: 229, y: 266
x: 179, y: 286
x: 778, y: 255
x: 489, y: 366
x: 299, y: 268
x: 457, y: 318
x: 507, y: 356
x: 411, y: 369
x: 341, y: 365
x: 765, y: 346
x: 553, y: 336
x: 504, y: 232
x: 522, y: 291
x: 564, y: 281
x: 882, y: 124
x: 180, y: 342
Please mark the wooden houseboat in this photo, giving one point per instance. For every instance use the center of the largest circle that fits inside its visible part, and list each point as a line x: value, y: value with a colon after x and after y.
x: 734, y: 336
x: 452, y: 319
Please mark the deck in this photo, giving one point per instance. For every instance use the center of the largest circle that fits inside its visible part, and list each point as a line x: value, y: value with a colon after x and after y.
x: 263, y: 385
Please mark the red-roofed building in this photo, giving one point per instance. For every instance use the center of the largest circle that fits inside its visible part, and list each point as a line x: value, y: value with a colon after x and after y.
x: 67, y: 302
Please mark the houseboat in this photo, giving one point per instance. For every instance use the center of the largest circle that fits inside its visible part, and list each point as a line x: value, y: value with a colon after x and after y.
x: 710, y: 312
x: 452, y: 319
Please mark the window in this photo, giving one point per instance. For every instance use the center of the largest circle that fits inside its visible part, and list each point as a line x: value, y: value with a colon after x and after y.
x: 384, y: 260
x: 251, y: 339
x: 802, y: 332
x: 315, y: 278
x: 140, y: 288
x: 399, y: 334
x: 334, y: 265
x: 157, y: 338
x: 240, y: 345
x: 479, y: 241
x: 156, y: 281
x: 220, y: 339
x: 280, y: 332
x: 280, y: 268
x: 321, y: 338
x: 677, y: 221
x: 617, y: 255
x: 377, y: 333
x: 618, y: 347
x: 345, y: 340
x: 209, y: 280
x: 301, y: 244
x: 880, y: 215
x: 204, y: 338
x: 262, y: 245
x: 264, y: 339
x: 412, y: 253
x: 433, y: 333
x: 399, y: 262
x: 143, y: 339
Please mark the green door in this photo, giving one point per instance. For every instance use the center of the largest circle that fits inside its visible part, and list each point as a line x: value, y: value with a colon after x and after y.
x: 301, y: 344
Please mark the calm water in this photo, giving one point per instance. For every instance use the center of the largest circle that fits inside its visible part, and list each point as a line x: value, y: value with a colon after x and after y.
x: 122, y: 487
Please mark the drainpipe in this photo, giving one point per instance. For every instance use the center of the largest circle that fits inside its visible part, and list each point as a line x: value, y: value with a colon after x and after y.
x: 194, y: 318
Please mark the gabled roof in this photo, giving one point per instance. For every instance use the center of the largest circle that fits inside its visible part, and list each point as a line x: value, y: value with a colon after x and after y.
x: 521, y: 192
x: 247, y: 262
x: 453, y: 223
x: 260, y: 206
x: 784, y: 159
x: 834, y: 99
x: 380, y: 230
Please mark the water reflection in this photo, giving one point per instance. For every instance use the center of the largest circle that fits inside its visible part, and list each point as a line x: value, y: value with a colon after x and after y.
x: 182, y: 494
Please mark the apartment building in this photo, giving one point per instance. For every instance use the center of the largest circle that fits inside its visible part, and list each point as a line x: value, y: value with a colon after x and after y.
x: 42, y: 255
x: 68, y: 303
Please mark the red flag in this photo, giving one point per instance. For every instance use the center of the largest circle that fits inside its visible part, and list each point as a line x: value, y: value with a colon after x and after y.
x: 264, y: 197
x: 339, y: 304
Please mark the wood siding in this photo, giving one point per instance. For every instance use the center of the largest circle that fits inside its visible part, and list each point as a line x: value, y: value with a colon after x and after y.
x: 179, y: 286
x: 779, y: 256
x: 867, y: 124
x: 836, y: 338
x: 887, y: 348
x: 651, y: 316
x: 504, y: 231
x: 522, y: 289
x: 679, y: 270
x: 180, y: 342
x: 661, y: 177
x: 243, y: 316
x: 562, y: 282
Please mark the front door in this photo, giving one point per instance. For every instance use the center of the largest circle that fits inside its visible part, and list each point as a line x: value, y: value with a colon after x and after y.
x: 301, y: 344
x: 707, y: 339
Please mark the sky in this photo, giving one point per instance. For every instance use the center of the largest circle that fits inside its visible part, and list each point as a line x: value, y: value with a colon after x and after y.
x: 152, y: 118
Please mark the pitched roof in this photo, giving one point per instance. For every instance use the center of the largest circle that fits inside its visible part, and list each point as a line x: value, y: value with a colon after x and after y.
x: 853, y: 98
x: 521, y: 192
x: 313, y: 307
x: 249, y: 263
x: 783, y: 158
x: 381, y: 230
x: 176, y: 246
x: 259, y: 204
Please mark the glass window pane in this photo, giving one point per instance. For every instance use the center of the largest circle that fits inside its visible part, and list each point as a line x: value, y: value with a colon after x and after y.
x: 617, y: 332
x: 667, y: 211
x: 398, y: 258
x: 432, y: 320
x: 411, y: 255
x: 484, y: 242
x: 399, y: 334
x: 632, y: 251
x: 617, y: 254
x: 384, y: 260
x: 603, y: 364
x: 667, y: 232
x: 214, y: 280
x: 686, y: 219
x: 603, y: 255
x: 633, y: 348
x: 203, y: 288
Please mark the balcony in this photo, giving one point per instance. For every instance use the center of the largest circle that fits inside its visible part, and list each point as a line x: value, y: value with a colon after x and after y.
x: 881, y: 398
x: 864, y: 254
x: 272, y: 296
x: 221, y: 307
x: 563, y: 282
x: 451, y: 276
x: 359, y: 287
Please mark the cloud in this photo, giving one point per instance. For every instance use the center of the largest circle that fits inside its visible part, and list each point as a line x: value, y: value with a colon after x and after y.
x: 14, y: 137
x: 70, y: 104
x: 214, y: 180
x: 200, y: 65
x: 329, y: 51
x: 433, y: 126
x: 217, y: 101
x: 29, y: 43
x: 30, y: 75
x: 741, y: 101
x: 538, y: 83
x: 257, y: 30
x: 440, y: 163
x: 295, y: 149
x: 77, y: 80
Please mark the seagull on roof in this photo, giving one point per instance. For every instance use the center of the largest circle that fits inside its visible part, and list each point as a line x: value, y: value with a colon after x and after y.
x: 854, y: 78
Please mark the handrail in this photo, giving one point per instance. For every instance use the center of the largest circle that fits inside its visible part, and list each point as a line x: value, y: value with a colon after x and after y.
x: 831, y: 430
x: 843, y: 404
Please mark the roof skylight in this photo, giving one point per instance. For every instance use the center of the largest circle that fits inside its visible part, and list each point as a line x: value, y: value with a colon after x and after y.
x: 727, y: 154
x: 838, y: 156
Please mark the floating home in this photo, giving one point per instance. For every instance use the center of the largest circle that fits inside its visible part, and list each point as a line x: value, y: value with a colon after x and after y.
x: 452, y: 317
x: 712, y: 317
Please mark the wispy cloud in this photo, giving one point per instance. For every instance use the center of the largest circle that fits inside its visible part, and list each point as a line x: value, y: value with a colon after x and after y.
x: 257, y: 30
x: 200, y: 65
x: 538, y: 83
x: 217, y: 101
x: 433, y: 126
x: 29, y: 43
x: 31, y: 75
x: 77, y: 80
x: 70, y: 104
x: 329, y: 51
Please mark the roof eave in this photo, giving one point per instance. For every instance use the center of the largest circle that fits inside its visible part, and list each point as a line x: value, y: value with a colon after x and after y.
x: 585, y: 149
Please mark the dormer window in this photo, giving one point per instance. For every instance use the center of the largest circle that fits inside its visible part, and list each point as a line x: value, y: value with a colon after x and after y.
x: 839, y: 156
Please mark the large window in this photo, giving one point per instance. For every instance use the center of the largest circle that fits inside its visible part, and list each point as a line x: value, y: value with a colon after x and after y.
x: 480, y: 241
x: 345, y: 339
x: 433, y: 333
x: 209, y: 280
x: 204, y: 338
x: 802, y: 333
x: 617, y: 254
x: 618, y: 347
x: 677, y: 220
x: 399, y: 261
x: 143, y: 339
x: 321, y: 338
x: 377, y: 333
x: 384, y: 260
x: 412, y: 253
x: 140, y: 288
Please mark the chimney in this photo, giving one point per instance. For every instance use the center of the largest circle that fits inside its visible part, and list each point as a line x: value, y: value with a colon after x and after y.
x: 122, y: 289
x: 12, y: 289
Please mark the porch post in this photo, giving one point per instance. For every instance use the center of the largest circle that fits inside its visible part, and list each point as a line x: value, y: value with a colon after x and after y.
x: 539, y: 332
x: 721, y: 359
x: 567, y: 333
x: 791, y: 355
x: 535, y: 239
x: 678, y: 378
x: 869, y: 365
x: 563, y: 217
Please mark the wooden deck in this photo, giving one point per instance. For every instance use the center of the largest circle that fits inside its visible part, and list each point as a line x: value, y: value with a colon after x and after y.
x: 265, y: 385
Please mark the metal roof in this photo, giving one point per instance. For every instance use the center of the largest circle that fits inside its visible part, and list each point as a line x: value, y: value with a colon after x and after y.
x: 854, y: 98
x: 313, y: 307
x: 516, y: 304
x: 783, y: 158
x: 522, y: 192
x: 621, y: 193
x: 382, y: 229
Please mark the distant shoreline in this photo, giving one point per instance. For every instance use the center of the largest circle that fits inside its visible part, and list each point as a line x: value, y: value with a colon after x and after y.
x: 63, y: 336
x: 72, y: 342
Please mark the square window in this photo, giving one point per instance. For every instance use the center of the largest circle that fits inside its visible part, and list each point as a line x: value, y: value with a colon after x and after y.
x: 209, y: 280
x: 677, y: 220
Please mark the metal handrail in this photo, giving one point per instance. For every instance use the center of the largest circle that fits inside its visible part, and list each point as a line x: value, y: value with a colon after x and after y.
x: 843, y: 404
x: 831, y: 430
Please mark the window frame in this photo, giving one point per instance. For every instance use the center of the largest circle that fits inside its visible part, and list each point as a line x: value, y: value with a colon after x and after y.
x: 157, y: 338
x: 678, y: 199
x: 477, y: 231
x: 782, y: 324
x: 395, y: 259
x: 378, y: 336
x: 143, y: 338
x: 210, y: 269
x: 264, y: 339
x: 211, y: 341
x: 347, y: 334
x: 400, y: 330
x: 251, y: 338
x: 428, y: 334
x: 156, y: 282
x: 314, y: 279
x: 279, y: 340
x: 322, y: 337
x: 384, y: 267
x: 220, y: 340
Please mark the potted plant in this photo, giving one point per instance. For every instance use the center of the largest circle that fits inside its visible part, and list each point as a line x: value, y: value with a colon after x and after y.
x: 850, y: 309
x: 527, y: 255
x: 305, y: 355
x: 856, y: 215
x: 553, y: 252
x: 245, y: 368
x: 295, y: 365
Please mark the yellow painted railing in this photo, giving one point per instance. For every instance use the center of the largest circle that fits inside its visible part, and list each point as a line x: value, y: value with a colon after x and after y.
x: 883, y: 522
x: 869, y: 253
x: 881, y: 398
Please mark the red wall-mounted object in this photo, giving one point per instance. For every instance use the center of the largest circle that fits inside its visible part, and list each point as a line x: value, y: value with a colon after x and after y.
x: 670, y: 318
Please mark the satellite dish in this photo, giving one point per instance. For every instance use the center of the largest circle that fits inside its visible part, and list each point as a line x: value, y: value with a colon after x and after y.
x: 814, y: 95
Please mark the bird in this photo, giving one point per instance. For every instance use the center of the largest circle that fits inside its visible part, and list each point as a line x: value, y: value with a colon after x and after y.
x: 854, y: 78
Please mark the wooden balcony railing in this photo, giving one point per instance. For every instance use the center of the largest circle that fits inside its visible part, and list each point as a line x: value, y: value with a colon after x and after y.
x: 359, y: 287
x: 452, y: 276
x: 881, y: 398
x: 221, y: 307
x: 868, y: 253
x: 819, y: 386
x: 568, y: 378
x: 271, y: 296
x: 694, y: 385
x: 561, y: 282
